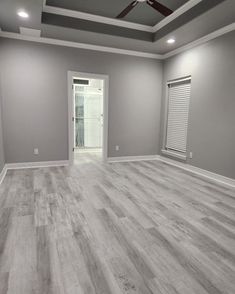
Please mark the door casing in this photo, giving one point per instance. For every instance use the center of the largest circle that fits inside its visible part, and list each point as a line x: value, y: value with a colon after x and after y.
x: 105, y: 78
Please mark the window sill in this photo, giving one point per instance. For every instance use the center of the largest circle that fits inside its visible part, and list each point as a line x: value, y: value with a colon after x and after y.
x: 174, y: 154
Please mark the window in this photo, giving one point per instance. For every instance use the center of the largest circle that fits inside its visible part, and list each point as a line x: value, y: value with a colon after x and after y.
x: 177, y: 117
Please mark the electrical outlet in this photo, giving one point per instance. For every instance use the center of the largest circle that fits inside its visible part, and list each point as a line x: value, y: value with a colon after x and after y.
x: 191, y: 155
x: 35, y: 151
x: 117, y: 147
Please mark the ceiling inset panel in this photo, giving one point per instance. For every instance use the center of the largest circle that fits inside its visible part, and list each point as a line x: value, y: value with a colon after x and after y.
x: 203, y: 18
x: 81, y: 24
x: 142, y: 13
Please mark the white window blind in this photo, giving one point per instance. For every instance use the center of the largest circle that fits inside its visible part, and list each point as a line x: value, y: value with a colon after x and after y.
x: 177, y: 119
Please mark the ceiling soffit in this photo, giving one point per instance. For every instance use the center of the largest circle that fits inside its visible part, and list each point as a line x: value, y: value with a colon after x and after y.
x: 80, y: 21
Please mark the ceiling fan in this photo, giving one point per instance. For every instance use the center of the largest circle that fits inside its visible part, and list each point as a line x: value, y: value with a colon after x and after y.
x: 153, y: 3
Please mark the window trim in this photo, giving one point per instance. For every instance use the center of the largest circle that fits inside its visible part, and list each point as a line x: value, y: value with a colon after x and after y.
x: 164, y: 150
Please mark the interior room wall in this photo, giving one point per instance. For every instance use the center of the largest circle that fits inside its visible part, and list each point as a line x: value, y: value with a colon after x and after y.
x: 34, y: 90
x: 35, y: 99
x: 211, y: 132
x: 2, y: 157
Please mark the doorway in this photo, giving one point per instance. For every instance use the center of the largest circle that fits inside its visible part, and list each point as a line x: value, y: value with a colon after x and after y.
x: 88, y: 110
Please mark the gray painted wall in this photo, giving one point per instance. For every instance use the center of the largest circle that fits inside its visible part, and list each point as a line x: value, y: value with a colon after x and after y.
x: 34, y: 91
x: 34, y: 87
x: 2, y: 157
x: 211, y: 133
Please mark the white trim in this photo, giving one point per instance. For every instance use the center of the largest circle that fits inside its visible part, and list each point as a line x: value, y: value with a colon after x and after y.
x: 97, y: 18
x: 211, y: 36
x: 23, y: 165
x: 196, y: 170
x: 58, y: 42
x: 188, y: 5
x: 166, y: 109
x: 118, y: 22
x: 30, y: 32
x: 174, y: 154
x: 70, y: 117
x: 87, y: 150
x: 201, y: 172
x: 79, y: 45
x: 3, y: 173
x: 132, y: 158
x: 175, y: 81
x: 105, y: 78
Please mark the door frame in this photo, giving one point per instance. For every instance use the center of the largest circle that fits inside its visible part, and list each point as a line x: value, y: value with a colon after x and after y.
x: 105, y: 78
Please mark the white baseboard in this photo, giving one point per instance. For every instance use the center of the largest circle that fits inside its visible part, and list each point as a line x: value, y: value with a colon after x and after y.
x: 23, y: 165
x: 3, y: 173
x: 201, y: 172
x: 174, y: 154
x: 132, y: 158
x: 196, y: 170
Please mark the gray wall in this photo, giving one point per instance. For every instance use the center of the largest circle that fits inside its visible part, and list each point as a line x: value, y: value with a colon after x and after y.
x: 34, y: 91
x: 211, y: 133
x: 2, y: 157
x: 34, y: 87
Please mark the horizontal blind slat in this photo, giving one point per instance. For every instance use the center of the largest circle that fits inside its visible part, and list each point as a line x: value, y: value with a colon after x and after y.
x: 177, y: 122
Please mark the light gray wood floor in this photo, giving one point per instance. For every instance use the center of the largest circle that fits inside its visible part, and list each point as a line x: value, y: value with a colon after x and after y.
x: 136, y: 227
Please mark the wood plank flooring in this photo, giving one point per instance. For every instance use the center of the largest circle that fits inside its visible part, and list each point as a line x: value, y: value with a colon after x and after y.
x: 137, y: 227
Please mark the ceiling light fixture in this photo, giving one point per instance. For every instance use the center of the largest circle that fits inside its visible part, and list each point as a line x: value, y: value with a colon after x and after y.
x: 23, y: 14
x: 171, y: 41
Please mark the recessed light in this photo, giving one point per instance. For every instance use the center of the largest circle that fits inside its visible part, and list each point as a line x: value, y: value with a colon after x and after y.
x: 23, y: 14
x: 171, y: 41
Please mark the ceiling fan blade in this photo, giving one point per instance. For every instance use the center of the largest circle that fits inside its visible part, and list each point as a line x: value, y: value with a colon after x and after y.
x: 159, y: 7
x: 127, y: 9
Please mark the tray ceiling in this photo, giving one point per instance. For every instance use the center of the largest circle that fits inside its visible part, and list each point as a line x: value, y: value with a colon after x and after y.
x: 71, y: 20
x: 142, y: 13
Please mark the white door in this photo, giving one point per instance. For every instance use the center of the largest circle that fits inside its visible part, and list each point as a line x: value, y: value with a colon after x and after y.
x: 89, y: 114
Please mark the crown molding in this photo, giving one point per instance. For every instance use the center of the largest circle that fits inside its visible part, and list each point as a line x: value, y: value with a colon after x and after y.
x: 211, y: 36
x: 181, y: 10
x: 30, y: 32
x: 97, y: 18
x: 118, y: 22
x: 58, y: 42
x: 64, y: 43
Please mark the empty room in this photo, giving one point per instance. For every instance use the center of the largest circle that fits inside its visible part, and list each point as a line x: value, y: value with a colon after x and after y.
x: 117, y: 147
